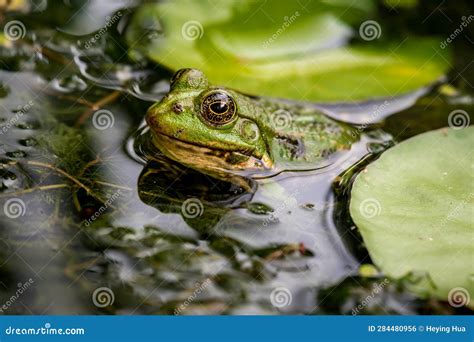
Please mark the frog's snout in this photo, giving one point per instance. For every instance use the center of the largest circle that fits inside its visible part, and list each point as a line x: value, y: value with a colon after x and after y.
x: 153, y: 115
x: 161, y: 116
x: 150, y: 119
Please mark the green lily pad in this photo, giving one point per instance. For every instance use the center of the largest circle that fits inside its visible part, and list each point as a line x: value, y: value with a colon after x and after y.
x: 414, y: 209
x: 286, y: 51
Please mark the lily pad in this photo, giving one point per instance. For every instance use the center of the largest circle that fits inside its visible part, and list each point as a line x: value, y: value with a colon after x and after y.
x: 414, y: 209
x: 265, y: 50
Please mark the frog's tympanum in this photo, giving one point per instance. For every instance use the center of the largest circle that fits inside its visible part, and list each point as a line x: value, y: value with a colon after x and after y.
x: 215, y: 130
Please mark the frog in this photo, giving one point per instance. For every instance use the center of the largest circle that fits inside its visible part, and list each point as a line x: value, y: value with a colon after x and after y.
x: 221, y: 131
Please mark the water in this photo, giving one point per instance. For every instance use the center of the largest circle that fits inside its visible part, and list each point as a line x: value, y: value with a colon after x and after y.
x: 98, y: 210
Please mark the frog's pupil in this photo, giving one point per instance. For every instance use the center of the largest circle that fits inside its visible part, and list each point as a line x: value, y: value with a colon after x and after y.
x: 219, y: 107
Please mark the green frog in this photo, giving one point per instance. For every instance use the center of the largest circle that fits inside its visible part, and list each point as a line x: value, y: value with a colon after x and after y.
x: 218, y: 131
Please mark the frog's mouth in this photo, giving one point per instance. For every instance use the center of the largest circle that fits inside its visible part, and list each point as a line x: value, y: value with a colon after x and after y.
x: 206, y: 158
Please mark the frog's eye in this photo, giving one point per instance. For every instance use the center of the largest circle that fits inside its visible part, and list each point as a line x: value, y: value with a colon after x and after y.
x: 177, y: 76
x: 188, y: 78
x: 218, y: 108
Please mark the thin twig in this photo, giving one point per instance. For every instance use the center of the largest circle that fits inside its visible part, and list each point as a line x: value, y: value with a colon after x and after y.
x: 68, y: 176
x: 52, y: 55
x: 36, y: 188
x: 89, y: 164
x: 102, y: 102
x: 62, y: 172
x: 114, y: 185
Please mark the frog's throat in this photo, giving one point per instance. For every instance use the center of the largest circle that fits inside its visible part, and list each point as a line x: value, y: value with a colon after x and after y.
x: 205, y: 158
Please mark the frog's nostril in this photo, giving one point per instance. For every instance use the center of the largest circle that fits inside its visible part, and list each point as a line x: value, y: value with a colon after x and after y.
x: 178, y: 108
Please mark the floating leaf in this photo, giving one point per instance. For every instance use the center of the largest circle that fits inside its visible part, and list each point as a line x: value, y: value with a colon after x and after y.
x: 267, y: 50
x: 414, y: 209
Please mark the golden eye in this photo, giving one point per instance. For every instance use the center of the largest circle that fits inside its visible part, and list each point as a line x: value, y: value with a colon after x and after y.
x: 218, y: 108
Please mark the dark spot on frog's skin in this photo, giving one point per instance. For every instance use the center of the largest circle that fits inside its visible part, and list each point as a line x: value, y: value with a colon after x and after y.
x: 234, y: 158
x: 294, y: 146
x: 178, y: 133
x: 178, y: 108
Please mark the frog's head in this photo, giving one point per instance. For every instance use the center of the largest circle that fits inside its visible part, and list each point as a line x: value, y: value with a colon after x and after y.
x: 208, y: 127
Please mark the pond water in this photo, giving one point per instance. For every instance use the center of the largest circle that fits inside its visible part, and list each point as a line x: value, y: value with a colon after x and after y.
x: 100, y: 222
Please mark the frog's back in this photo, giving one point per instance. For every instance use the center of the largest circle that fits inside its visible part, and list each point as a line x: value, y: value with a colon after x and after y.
x: 303, y: 136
